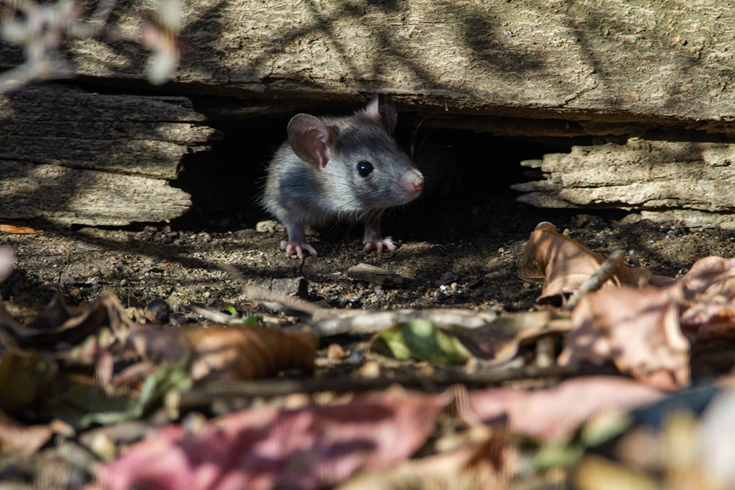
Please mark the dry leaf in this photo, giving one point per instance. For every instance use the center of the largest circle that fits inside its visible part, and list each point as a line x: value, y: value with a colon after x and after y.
x: 709, y: 278
x: 250, y: 352
x: 16, y: 229
x: 556, y: 412
x: 498, y: 341
x: 28, y: 440
x: 709, y: 288
x: 563, y: 265
x: 55, y: 326
x: 637, y: 329
x: 262, y: 448
x: 335, y: 352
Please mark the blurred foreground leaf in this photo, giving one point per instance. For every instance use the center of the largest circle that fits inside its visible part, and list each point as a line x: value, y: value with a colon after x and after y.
x: 23, y: 377
x: 165, y: 378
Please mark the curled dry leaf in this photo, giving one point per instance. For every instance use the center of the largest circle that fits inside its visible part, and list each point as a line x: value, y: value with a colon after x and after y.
x: 28, y: 440
x: 563, y: 265
x: 709, y: 289
x: 263, y: 448
x: 555, y: 413
x: 636, y: 329
x: 709, y: 278
x: 55, y: 326
x: 250, y: 352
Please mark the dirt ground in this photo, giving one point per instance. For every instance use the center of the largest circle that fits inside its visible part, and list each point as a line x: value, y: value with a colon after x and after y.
x: 460, y: 258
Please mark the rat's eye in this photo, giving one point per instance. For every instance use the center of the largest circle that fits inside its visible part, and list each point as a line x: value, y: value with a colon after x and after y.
x: 364, y: 168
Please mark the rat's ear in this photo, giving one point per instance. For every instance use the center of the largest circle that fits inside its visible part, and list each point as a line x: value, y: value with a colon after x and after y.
x: 310, y: 139
x: 383, y: 111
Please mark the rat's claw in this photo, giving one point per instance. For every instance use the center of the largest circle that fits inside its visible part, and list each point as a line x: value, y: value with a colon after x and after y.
x: 379, y: 244
x: 299, y: 248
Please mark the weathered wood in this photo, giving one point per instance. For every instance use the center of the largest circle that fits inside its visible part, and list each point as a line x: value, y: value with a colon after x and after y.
x: 118, y: 133
x: 688, y: 181
x: 73, y: 157
x: 65, y: 195
x: 640, y: 61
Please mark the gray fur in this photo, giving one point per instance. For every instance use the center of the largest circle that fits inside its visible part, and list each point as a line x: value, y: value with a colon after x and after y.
x: 302, y: 194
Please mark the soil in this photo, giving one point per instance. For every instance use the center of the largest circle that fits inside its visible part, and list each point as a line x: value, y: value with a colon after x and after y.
x: 464, y: 258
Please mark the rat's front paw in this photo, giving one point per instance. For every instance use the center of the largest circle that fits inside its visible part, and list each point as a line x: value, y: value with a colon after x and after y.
x: 298, y: 247
x: 379, y: 244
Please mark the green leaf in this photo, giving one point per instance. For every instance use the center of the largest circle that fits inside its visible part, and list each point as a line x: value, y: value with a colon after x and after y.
x: 422, y: 340
x: 557, y: 453
x: 232, y: 310
x: 250, y: 320
x: 165, y: 378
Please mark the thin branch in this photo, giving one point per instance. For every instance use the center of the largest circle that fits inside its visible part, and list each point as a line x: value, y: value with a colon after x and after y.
x: 606, y: 272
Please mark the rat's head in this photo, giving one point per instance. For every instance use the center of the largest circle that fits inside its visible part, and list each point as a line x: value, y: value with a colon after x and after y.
x: 361, y: 166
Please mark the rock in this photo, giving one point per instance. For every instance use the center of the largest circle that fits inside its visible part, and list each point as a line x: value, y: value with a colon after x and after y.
x: 377, y: 275
x: 268, y: 226
x: 297, y: 286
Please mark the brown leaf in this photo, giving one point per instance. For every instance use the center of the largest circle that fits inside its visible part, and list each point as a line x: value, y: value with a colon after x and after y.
x: 563, y: 264
x: 16, y: 229
x: 56, y: 327
x: 709, y: 288
x: 637, y: 329
x: 28, y: 440
x: 250, y: 352
x: 498, y: 341
x: 263, y: 448
x: 55, y: 314
x: 708, y: 278
x: 556, y: 412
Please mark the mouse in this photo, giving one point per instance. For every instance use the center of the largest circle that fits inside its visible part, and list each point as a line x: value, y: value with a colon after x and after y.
x: 333, y: 168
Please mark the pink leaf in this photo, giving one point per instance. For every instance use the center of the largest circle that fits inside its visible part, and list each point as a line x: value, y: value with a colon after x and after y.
x: 556, y: 412
x: 263, y: 448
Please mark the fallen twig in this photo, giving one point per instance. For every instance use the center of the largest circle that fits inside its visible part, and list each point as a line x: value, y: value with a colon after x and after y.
x: 334, y: 322
x: 606, y: 272
x: 267, y: 295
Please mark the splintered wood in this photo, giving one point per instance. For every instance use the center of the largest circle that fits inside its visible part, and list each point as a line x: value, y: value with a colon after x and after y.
x: 689, y: 182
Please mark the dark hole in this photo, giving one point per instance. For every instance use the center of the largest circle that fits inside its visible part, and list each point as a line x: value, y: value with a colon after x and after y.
x: 468, y: 174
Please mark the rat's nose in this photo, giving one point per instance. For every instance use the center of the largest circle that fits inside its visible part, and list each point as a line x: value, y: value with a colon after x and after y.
x: 416, y: 181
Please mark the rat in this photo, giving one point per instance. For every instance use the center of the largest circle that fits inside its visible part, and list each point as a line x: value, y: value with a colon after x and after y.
x: 340, y: 167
